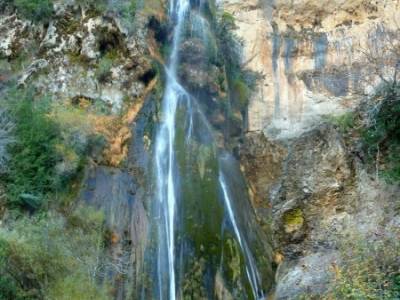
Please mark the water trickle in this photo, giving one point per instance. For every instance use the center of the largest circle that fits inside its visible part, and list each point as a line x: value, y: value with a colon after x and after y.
x: 251, y: 269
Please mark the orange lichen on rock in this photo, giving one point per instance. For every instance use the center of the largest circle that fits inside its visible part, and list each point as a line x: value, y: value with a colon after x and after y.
x: 117, y: 129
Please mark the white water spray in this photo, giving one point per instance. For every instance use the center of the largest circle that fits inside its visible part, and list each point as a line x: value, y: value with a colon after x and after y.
x: 165, y: 159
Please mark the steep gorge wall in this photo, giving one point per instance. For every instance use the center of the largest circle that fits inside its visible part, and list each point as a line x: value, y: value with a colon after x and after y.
x: 310, y: 56
x: 314, y: 58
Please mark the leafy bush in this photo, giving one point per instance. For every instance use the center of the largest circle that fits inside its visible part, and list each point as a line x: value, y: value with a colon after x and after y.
x: 126, y: 9
x: 104, y: 69
x: 32, y: 172
x: 241, y: 92
x: 47, y: 257
x: 228, y: 21
x: 382, y: 135
x: 49, y: 148
x: 35, y: 10
x: 344, y: 122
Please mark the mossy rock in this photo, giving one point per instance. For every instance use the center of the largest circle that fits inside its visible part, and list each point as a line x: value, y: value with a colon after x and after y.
x: 293, y: 220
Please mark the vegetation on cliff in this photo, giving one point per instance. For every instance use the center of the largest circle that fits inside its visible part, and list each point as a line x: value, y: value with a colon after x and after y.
x: 370, y: 269
x: 46, y: 254
x: 41, y: 11
x: 382, y: 134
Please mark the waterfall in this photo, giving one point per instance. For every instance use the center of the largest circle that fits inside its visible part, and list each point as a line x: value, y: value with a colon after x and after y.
x: 189, y: 205
x: 165, y: 157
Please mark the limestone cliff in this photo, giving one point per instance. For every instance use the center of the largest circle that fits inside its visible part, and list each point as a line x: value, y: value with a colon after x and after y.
x: 317, y: 60
x: 310, y: 56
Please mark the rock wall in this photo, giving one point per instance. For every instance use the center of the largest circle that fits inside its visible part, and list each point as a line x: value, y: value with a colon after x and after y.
x: 310, y: 56
x: 317, y: 60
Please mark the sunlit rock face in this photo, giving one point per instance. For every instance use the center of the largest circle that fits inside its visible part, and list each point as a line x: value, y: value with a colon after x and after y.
x: 310, y: 56
x: 306, y: 182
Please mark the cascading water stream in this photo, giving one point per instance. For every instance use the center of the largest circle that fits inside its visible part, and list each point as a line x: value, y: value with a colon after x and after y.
x: 165, y: 158
x: 168, y: 169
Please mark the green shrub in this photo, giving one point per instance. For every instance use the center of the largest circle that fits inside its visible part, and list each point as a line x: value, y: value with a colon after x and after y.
x: 35, y: 10
x: 32, y: 172
x: 46, y: 257
x: 382, y: 137
x: 126, y: 9
x: 344, y: 122
x: 241, y: 92
x: 103, y: 70
x: 228, y: 21
x: 49, y: 148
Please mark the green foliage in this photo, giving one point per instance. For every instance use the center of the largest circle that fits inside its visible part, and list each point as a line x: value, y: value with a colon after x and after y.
x: 103, y: 70
x: 344, y: 122
x: 128, y: 9
x: 6, y: 137
x: 240, y: 81
x: 49, y: 147
x: 228, y: 21
x: 370, y: 270
x: 47, y: 257
x: 33, y: 155
x: 382, y: 137
x: 95, y: 6
x: 241, y: 92
x: 35, y: 10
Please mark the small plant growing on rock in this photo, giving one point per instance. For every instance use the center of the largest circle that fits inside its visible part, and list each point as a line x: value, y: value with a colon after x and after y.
x: 344, y: 122
x: 103, y: 71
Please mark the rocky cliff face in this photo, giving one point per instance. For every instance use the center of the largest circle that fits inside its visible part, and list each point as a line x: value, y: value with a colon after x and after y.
x: 310, y: 56
x: 100, y: 64
x: 308, y: 183
x: 317, y: 59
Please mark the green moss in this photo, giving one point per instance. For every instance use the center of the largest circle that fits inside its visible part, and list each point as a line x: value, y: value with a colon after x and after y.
x: 193, y: 287
x: 293, y: 220
x: 232, y: 252
x: 234, y: 268
x: 202, y: 212
x: 153, y: 7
